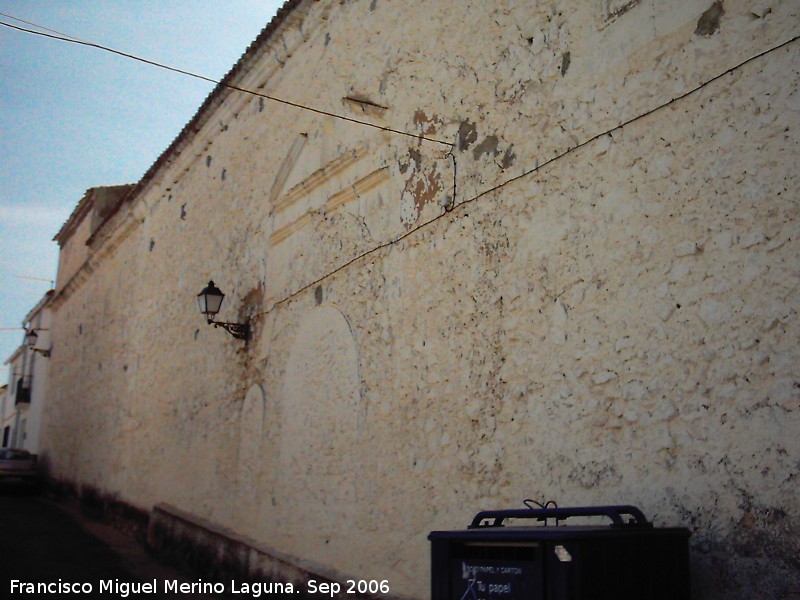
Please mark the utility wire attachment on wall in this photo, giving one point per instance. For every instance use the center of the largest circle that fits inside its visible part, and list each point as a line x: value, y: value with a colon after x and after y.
x: 538, y: 165
x: 452, y: 204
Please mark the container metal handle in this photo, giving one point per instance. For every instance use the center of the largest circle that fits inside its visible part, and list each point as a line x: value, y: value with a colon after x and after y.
x: 543, y: 514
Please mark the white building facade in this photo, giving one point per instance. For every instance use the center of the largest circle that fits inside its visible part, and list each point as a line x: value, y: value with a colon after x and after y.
x: 542, y: 249
x: 26, y: 394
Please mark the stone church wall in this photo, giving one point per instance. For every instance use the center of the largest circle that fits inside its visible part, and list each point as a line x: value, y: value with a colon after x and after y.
x: 556, y: 307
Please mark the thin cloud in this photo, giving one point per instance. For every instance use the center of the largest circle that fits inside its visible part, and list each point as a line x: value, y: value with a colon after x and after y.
x: 31, y: 216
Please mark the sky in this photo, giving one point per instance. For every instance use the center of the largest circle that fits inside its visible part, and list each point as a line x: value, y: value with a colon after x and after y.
x: 74, y: 117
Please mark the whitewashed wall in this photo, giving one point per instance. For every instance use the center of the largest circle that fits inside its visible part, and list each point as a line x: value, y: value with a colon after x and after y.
x: 618, y: 326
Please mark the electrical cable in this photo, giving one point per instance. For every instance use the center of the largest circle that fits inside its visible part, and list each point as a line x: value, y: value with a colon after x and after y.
x: 630, y: 121
x: 13, y: 18
x: 537, y: 168
x: 451, y: 206
x: 73, y: 40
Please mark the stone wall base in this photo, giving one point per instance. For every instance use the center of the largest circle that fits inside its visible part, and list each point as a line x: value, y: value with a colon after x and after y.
x: 215, y: 553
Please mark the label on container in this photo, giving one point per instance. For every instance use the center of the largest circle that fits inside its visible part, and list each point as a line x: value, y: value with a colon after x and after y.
x: 482, y: 579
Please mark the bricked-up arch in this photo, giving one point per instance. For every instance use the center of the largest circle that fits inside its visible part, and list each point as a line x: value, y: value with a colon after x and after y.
x: 319, y: 461
x: 250, y: 435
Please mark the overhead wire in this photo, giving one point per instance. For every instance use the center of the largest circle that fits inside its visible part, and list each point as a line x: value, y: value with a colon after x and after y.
x: 42, y: 27
x: 638, y: 117
x: 56, y: 35
x: 450, y: 205
x: 449, y: 209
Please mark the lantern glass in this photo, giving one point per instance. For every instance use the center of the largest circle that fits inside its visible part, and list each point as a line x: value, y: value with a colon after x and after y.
x: 209, y: 300
x: 30, y: 338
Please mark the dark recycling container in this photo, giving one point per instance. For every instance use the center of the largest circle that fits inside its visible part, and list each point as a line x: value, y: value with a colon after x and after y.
x: 626, y: 559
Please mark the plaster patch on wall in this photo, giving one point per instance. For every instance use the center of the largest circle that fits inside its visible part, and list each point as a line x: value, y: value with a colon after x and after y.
x: 422, y: 185
x: 566, y: 59
x: 428, y: 125
x: 251, y: 427
x: 421, y: 188
x: 487, y: 147
x: 467, y: 135
x: 319, y: 461
x: 708, y: 24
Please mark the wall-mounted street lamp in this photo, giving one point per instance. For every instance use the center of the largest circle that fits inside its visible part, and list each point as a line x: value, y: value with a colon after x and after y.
x: 210, y: 299
x: 31, y: 337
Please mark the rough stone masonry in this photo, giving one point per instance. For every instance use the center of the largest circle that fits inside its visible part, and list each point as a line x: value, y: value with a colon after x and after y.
x: 588, y: 293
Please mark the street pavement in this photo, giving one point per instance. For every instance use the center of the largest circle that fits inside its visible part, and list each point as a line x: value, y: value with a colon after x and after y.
x: 45, y: 541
